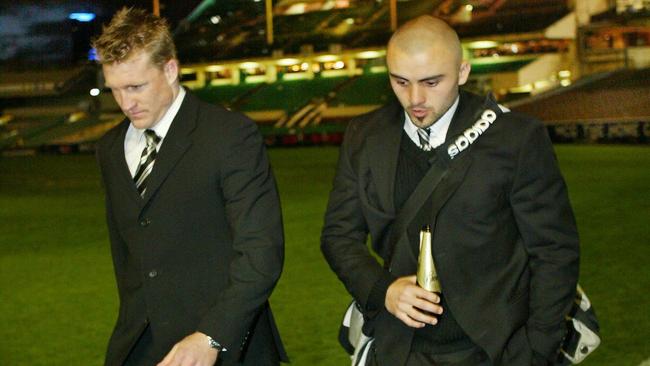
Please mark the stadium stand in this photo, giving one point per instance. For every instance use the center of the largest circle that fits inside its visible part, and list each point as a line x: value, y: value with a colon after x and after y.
x: 371, y: 89
x: 311, y: 99
x: 603, y: 107
x: 289, y: 95
x: 511, y: 16
x: 228, y: 95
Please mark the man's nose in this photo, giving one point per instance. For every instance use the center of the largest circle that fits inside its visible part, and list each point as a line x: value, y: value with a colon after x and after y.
x: 415, y: 95
x: 125, y: 101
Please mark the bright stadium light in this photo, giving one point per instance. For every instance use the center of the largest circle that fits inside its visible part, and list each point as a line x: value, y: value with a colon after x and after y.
x: 249, y: 65
x: 522, y: 89
x: 214, y: 68
x: 94, y: 92
x: 215, y: 19
x: 327, y: 58
x: 370, y: 54
x: 82, y: 17
x: 482, y: 44
x: 287, y: 61
x: 541, y: 84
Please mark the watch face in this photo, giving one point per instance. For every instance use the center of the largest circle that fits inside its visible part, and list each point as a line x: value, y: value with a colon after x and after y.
x: 214, y: 344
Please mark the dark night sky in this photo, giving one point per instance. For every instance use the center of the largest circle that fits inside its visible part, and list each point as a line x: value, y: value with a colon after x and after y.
x: 39, y: 31
x: 30, y: 11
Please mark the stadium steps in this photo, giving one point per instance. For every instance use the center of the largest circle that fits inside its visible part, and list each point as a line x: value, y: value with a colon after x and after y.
x: 241, y: 99
x: 17, y: 133
x: 91, y: 131
x: 508, y: 63
x: 75, y: 129
x: 227, y: 95
x: 289, y: 95
x: 369, y: 89
x: 311, y: 112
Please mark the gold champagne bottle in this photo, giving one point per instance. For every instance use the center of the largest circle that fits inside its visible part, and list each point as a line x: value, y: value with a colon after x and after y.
x: 427, y: 276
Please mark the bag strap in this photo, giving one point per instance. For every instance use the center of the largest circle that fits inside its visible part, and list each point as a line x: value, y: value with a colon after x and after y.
x: 427, y: 185
x: 440, y: 168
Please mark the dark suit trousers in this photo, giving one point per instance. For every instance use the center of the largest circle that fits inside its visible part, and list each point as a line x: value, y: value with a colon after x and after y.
x: 470, y: 357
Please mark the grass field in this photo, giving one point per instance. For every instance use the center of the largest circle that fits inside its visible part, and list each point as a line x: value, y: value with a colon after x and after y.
x: 58, y: 299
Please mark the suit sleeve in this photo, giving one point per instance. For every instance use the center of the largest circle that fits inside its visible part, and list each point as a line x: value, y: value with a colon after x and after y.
x: 118, y: 246
x: 345, y: 231
x: 545, y: 219
x: 253, y: 210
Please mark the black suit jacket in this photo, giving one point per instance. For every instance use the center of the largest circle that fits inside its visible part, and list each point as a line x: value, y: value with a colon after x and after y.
x: 504, y: 239
x: 204, y: 248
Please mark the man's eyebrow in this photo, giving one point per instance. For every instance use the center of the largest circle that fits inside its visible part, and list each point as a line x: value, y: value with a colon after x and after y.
x: 432, y: 78
x: 428, y: 78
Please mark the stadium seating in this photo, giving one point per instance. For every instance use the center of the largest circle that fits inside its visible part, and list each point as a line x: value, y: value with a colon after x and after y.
x: 370, y: 89
x: 224, y: 94
x: 289, y: 95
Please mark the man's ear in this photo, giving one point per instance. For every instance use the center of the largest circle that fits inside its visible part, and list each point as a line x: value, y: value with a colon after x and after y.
x: 171, y: 71
x: 463, y: 73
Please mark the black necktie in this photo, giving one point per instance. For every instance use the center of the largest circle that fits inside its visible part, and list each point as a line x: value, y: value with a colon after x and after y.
x: 423, y: 134
x: 147, y: 159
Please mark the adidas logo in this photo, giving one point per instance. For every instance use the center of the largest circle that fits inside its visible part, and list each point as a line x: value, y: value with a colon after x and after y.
x: 471, y: 134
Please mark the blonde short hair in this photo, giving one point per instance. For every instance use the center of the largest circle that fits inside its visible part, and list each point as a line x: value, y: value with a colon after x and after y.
x: 134, y: 30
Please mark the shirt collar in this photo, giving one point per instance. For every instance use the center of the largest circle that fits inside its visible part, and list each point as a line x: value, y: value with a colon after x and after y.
x: 162, y: 126
x: 437, y: 131
x: 165, y: 122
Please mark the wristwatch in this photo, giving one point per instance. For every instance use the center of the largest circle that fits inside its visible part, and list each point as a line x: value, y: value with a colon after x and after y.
x: 216, y: 345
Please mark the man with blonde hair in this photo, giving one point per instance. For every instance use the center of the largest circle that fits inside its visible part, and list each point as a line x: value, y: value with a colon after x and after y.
x: 193, y: 213
x: 486, y: 183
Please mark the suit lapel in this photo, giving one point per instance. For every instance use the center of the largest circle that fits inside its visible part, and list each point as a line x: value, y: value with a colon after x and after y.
x: 119, y: 165
x: 469, y: 109
x: 174, y: 146
x: 383, y: 150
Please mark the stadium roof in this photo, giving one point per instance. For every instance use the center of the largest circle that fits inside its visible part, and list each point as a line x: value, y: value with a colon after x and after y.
x: 230, y: 30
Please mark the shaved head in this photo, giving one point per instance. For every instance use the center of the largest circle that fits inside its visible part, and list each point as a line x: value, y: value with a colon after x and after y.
x: 426, y: 32
x: 426, y: 67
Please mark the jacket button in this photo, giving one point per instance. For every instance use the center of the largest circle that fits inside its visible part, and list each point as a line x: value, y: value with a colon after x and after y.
x: 153, y: 273
x: 145, y: 222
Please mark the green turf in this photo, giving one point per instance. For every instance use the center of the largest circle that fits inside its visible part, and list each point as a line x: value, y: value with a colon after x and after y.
x: 58, y: 298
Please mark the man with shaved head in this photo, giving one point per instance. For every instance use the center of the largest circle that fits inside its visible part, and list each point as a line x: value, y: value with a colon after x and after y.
x: 486, y: 182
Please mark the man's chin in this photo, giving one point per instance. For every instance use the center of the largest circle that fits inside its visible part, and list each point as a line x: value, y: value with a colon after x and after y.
x: 140, y: 124
x: 423, y: 122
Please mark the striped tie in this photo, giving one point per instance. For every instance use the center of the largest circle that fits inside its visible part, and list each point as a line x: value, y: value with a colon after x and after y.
x: 423, y: 134
x: 147, y: 160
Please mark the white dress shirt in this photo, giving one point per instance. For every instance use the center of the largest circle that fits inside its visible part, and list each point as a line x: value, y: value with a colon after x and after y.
x: 135, y: 142
x: 437, y: 131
